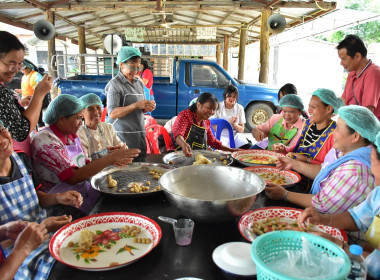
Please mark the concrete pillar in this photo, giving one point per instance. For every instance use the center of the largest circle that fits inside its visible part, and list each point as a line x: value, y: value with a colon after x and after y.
x: 226, y: 46
x: 264, y: 47
x: 82, y: 48
x: 243, y: 36
x: 51, y: 52
x: 218, y: 55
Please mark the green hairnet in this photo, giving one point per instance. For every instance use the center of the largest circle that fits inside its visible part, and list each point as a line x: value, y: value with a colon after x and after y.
x: 360, y: 119
x: 377, y: 142
x: 291, y: 100
x: 328, y: 97
x: 28, y: 65
x: 91, y: 99
x: 126, y: 53
x: 62, y: 106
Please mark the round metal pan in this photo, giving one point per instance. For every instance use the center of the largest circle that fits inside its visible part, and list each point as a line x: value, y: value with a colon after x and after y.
x: 178, y: 159
x: 125, y: 176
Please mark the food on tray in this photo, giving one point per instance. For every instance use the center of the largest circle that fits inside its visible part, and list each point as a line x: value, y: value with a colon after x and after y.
x: 142, y: 240
x: 114, y: 264
x: 201, y: 159
x: 112, y: 183
x: 224, y: 162
x: 276, y: 223
x: 85, y: 240
x: 157, y: 173
x: 258, y: 159
x: 136, y: 187
x: 275, y: 178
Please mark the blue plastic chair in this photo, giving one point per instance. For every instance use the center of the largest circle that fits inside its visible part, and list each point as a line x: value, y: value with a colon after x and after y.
x: 220, y: 125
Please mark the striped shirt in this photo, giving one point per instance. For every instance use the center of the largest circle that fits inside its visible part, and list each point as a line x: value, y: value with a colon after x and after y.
x: 313, y: 134
x: 345, y: 187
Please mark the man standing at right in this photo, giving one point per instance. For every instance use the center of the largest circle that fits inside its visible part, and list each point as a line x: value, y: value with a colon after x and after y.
x: 363, y: 81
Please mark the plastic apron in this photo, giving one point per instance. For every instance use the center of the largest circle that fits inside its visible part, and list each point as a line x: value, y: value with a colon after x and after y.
x: 373, y: 233
x: 196, y: 138
x: 90, y: 195
x: 19, y: 201
x: 94, y: 154
x: 131, y: 128
x: 279, y: 134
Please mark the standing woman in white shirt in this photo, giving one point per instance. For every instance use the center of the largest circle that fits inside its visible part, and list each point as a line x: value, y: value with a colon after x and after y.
x: 233, y: 112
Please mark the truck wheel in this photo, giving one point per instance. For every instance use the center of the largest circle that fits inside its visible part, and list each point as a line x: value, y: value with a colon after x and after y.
x: 256, y: 114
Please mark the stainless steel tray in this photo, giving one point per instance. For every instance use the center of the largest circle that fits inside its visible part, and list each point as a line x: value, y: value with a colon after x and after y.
x: 178, y: 159
x: 125, y: 176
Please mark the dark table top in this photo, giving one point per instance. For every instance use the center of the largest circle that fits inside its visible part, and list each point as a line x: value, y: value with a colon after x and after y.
x: 167, y: 260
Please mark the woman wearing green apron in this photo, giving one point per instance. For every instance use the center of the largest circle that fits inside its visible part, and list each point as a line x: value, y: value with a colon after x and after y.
x: 364, y: 217
x: 281, y: 129
x: 192, y: 128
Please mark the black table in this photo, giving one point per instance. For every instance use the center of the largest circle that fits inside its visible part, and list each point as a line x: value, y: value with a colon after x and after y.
x: 167, y: 260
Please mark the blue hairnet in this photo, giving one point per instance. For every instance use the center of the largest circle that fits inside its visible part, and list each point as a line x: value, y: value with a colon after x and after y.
x: 328, y: 97
x: 126, y: 53
x: 28, y: 65
x: 377, y: 142
x: 194, y: 100
x: 291, y: 100
x: 360, y: 119
x: 91, y: 99
x: 62, y: 106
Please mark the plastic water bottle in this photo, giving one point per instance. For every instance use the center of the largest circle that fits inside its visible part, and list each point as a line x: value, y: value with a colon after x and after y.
x: 358, y: 268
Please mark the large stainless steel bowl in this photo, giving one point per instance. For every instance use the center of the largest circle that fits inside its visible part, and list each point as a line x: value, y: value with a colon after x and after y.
x: 211, y: 193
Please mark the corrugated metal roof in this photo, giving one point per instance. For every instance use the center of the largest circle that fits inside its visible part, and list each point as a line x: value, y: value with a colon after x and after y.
x: 176, y: 24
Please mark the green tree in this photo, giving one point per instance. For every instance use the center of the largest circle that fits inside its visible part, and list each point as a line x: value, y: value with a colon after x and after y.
x: 368, y: 31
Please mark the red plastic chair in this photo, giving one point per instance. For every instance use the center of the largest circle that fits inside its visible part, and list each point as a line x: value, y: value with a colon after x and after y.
x: 152, y: 134
x: 104, y: 114
x: 149, y: 120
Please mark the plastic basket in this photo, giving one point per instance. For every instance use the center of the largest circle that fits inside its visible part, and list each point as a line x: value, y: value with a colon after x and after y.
x: 269, y: 245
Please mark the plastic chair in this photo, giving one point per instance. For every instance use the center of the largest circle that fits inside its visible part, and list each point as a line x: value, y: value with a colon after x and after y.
x: 149, y: 120
x: 152, y: 134
x: 220, y: 125
x: 104, y: 114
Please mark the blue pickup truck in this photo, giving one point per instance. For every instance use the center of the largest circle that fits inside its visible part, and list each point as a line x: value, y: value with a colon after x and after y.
x: 182, y: 80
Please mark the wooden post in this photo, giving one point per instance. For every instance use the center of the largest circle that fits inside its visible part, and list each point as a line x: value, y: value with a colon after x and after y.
x: 52, y: 66
x: 243, y: 36
x: 264, y: 47
x: 82, y: 48
x: 225, y: 52
x: 218, y: 56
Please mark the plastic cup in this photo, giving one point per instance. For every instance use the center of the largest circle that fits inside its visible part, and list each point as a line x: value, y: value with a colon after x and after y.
x: 183, y: 231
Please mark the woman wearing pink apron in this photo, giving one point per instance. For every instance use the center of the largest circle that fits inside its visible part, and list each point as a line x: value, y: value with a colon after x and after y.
x: 58, y: 157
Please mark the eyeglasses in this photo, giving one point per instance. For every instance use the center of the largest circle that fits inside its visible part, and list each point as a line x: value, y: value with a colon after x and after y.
x: 14, y: 66
x: 134, y: 69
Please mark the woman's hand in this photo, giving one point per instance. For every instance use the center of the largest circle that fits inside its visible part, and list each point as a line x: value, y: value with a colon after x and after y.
x: 25, y: 101
x: 146, y: 105
x: 311, y: 215
x: 31, y: 237
x: 284, y: 163
x: 232, y: 120
x: 300, y: 157
x: 69, y: 198
x: 187, y: 150
x: 55, y: 223
x: 122, y: 156
x: 44, y: 86
x: 11, y: 230
x: 274, y: 191
x: 258, y: 134
x: 279, y: 148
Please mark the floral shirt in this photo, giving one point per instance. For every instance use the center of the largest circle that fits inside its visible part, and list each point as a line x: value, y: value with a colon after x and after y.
x: 50, y: 159
x: 11, y: 115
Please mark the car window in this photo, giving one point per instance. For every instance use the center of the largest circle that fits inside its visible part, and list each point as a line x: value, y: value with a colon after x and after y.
x: 208, y: 76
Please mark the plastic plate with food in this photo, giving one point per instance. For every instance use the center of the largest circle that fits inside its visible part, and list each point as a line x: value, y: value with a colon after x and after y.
x: 269, y: 219
x: 139, y: 178
x: 285, y: 178
x: 178, y: 159
x: 105, y: 241
x: 257, y: 157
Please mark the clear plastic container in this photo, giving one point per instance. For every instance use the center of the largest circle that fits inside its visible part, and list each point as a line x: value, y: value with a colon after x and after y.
x: 358, y: 267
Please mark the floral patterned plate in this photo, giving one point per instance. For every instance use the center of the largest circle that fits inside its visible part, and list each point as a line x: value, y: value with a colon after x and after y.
x: 256, y: 157
x: 286, y: 214
x: 113, y: 243
x: 284, y: 178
